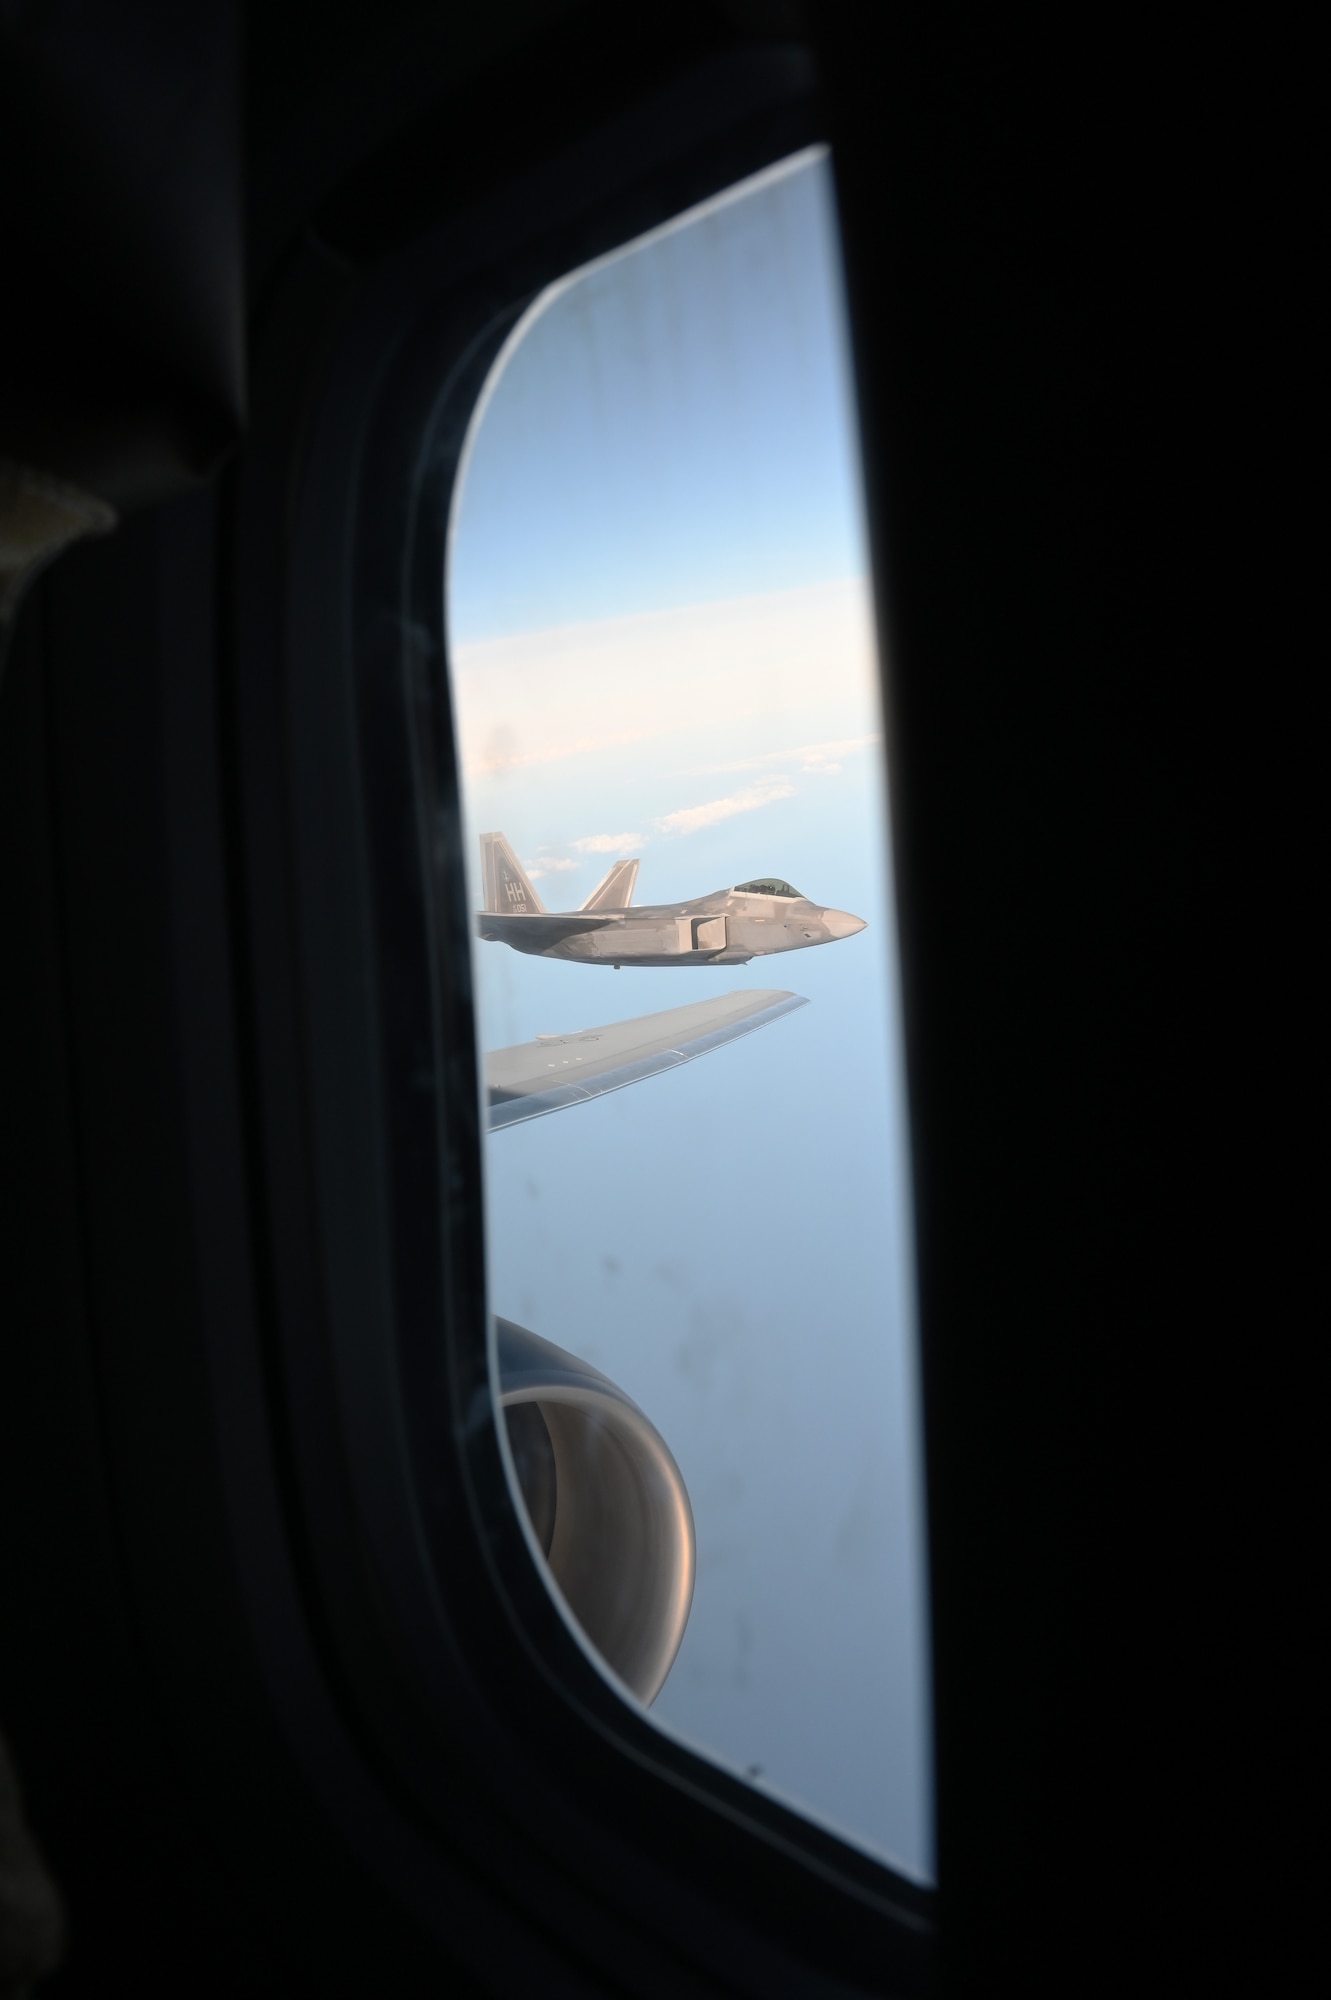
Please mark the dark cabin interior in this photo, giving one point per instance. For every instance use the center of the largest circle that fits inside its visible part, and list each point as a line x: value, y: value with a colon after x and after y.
x: 237, y: 1775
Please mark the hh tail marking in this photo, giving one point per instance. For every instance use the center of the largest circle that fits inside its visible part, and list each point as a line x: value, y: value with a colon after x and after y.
x: 507, y: 890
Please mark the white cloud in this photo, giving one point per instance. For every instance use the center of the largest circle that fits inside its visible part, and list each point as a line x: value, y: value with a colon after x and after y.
x: 690, y: 819
x: 607, y: 843
x: 821, y: 759
x: 549, y: 865
x: 533, y: 699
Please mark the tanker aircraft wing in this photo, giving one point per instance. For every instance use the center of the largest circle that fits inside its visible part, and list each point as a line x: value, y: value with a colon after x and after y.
x: 556, y: 1071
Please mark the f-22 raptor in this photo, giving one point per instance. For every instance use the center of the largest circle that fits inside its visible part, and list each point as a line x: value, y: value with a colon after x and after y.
x: 727, y: 927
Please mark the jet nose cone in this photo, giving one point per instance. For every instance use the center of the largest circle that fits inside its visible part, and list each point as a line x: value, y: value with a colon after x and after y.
x: 840, y: 923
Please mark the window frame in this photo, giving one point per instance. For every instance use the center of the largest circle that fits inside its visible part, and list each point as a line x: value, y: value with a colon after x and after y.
x: 481, y: 1713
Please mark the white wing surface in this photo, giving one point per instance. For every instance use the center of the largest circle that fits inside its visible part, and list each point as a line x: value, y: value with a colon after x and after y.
x: 557, y: 1071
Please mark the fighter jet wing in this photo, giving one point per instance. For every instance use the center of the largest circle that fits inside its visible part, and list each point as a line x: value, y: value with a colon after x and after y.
x: 556, y: 1071
x: 502, y: 928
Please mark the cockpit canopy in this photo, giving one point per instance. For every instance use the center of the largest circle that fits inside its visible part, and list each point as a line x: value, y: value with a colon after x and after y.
x: 767, y: 885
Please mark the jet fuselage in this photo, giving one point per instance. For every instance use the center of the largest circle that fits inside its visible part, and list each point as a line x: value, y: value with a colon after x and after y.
x: 727, y: 927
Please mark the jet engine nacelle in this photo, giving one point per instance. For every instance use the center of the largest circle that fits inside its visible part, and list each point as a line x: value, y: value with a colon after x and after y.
x: 606, y: 1502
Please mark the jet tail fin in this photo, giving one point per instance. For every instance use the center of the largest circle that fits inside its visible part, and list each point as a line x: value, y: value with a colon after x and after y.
x: 504, y: 881
x: 614, y: 891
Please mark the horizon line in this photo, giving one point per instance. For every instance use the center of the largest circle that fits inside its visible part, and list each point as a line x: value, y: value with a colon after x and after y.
x: 861, y: 576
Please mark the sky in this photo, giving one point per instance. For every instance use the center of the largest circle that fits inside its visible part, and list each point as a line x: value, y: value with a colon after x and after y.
x: 662, y: 644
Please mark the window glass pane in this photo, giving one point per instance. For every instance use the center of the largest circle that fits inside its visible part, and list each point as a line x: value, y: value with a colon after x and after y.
x: 664, y: 671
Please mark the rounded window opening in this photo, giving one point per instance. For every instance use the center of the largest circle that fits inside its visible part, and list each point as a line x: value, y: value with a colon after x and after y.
x: 665, y: 675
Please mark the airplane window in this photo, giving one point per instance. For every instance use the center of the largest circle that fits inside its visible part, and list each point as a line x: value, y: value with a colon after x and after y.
x: 664, y: 671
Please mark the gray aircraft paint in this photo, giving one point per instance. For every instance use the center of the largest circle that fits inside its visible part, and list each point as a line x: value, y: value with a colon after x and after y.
x: 725, y: 927
x: 556, y: 1071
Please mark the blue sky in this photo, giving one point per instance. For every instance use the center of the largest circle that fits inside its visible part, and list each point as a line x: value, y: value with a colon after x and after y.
x: 663, y: 644
x: 671, y: 427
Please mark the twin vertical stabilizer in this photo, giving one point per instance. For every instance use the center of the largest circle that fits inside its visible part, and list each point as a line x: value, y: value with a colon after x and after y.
x: 504, y: 882
x: 509, y: 893
x: 614, y: 891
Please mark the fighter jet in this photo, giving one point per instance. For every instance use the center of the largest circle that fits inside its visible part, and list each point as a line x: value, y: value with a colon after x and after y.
x: 727, y: 927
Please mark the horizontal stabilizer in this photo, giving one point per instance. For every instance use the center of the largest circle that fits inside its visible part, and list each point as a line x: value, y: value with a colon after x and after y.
x: 557, y: 1071
x: 538, y: 933
x: 614, y: 891
x: 504, y: 883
